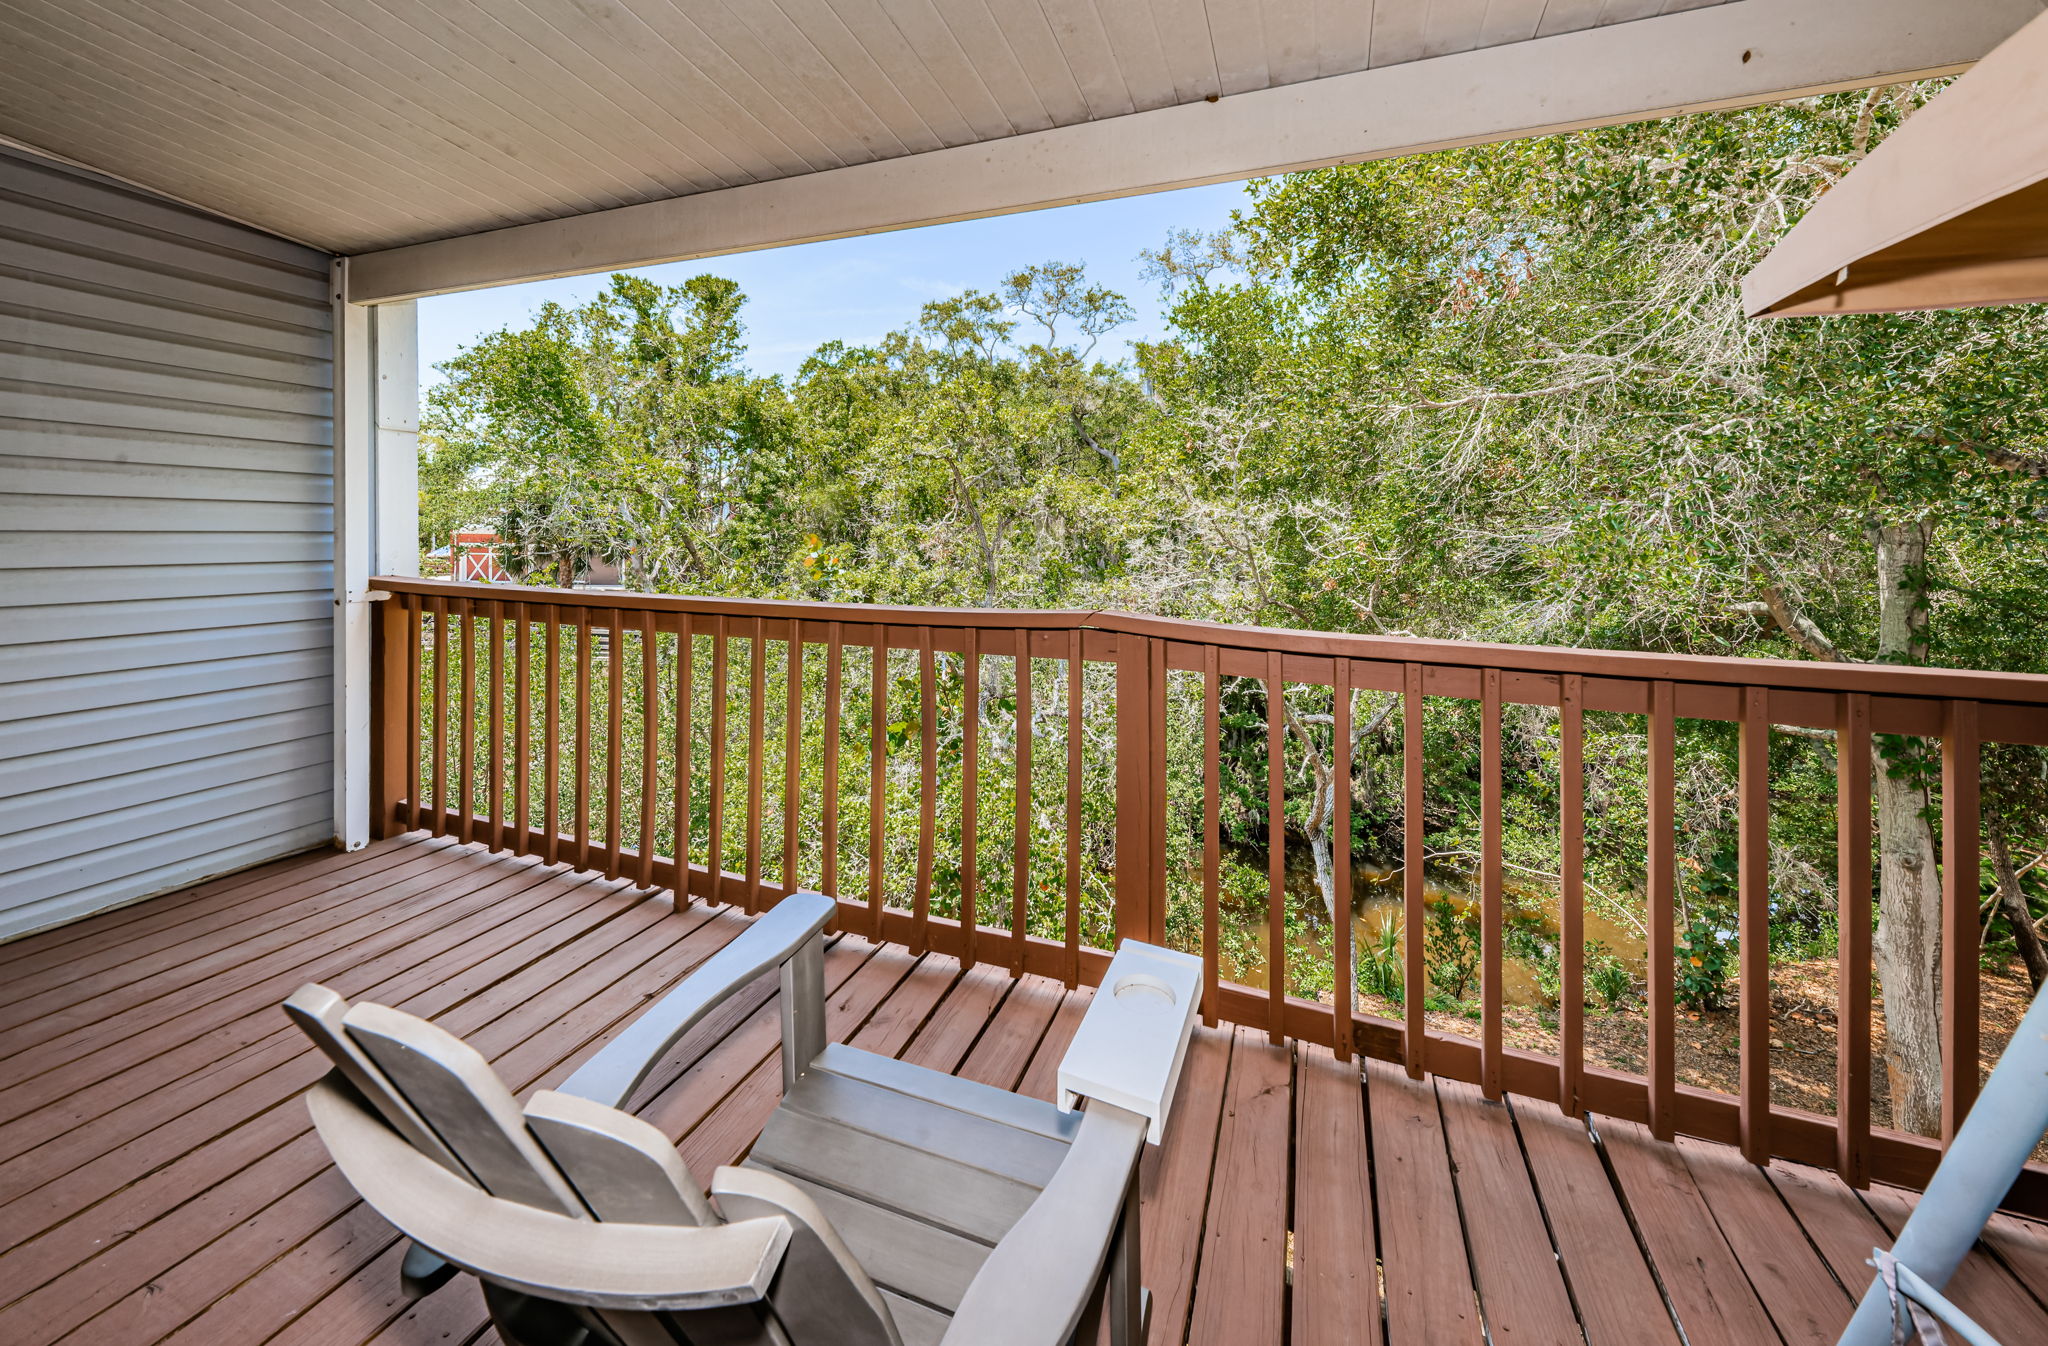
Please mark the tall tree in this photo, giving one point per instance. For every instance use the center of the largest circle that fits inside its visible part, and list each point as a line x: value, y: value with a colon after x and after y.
x: 1523, y: 370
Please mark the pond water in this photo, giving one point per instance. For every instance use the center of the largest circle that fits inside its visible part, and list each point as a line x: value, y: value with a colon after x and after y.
x: 1376, y: 902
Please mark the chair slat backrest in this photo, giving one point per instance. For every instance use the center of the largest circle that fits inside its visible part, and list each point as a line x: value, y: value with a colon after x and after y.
x: 451, y: 1086
x: 319, y: 1012
x: 622, y: 1168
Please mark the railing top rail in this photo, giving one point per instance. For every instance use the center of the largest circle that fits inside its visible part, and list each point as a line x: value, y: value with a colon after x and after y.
x: 2030, y: 689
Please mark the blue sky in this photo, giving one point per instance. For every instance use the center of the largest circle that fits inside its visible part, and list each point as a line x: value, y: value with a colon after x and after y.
x: 856, y: 289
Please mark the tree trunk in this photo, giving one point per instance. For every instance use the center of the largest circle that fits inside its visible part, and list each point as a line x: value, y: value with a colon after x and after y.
x: 2012, y: 903
x: 1907, y: 945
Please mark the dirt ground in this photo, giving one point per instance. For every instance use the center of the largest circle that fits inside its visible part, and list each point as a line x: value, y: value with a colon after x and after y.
x: 1803, y: 1029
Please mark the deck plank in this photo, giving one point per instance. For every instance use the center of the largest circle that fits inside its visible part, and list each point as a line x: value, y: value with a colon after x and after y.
x: 1336, y: 1299
x: 63, y: 1176
x: 1982, y: 1287
x: 2023, y: 1246
x: 45, y: 947
x: 1613, y: 1290
x: 1041, y: 1077
x: 1174, y: 1182
x: 1522, y: 1295
x: 1005, y: 1050
x: 163, y: 1184
x: 212, y: 1187
x: 1837, y: 1223
x: 1805, y: 1301
x: 103, y: 936
x: 91, y: 991
x: 1430, y: 1297
x: 1701, y: 1276
x: 475, y: 954
x: 524, y: 1037
x: 1240, y: 1294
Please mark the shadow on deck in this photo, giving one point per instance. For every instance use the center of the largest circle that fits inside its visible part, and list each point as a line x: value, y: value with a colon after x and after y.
x: 159, y: 1180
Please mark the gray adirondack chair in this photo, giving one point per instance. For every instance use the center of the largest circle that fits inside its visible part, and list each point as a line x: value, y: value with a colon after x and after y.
x: 883, y: 1203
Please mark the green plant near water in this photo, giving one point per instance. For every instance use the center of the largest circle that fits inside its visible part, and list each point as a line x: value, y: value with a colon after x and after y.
x: 1379, y: 964
x: 1704, y: 954
x: 1608, y: 977
x: 1451, y: 952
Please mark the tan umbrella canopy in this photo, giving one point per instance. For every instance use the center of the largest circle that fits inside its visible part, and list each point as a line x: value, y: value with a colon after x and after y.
x: 1951, y: 211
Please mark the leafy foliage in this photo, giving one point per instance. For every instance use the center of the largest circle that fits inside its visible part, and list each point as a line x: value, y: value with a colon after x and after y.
x: 1503, y: 393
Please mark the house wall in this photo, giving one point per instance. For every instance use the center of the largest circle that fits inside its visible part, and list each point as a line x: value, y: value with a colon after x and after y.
x: 166, y: 545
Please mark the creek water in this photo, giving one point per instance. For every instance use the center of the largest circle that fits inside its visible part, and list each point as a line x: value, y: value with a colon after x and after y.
x: 1376, y: 906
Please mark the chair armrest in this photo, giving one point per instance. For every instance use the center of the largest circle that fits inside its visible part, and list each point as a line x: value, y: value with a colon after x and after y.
x: 1034, y: 1287
x: 1131, y: 1043
x: 544, y: 1253
x: 787, y: 936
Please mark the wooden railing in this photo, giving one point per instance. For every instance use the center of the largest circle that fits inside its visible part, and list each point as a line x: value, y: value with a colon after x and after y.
x: 583, y: 727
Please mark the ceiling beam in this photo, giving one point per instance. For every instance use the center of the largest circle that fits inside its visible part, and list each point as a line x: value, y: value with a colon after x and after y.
x: 1731, y: 55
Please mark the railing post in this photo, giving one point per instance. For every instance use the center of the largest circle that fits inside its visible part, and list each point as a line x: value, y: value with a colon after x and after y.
x: 388, y: 701
x: 1138, y: 800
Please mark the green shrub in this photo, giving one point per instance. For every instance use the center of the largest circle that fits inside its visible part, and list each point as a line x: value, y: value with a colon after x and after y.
x: 1451, y: 951
x: 1379, y: 964
x: 1607, y: 976
x: 1704, y: 955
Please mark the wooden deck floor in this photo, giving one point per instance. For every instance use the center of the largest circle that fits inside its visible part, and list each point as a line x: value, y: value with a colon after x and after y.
x: 159, y: 1180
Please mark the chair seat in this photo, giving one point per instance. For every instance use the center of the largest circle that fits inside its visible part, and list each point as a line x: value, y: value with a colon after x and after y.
x: 921, y: 1173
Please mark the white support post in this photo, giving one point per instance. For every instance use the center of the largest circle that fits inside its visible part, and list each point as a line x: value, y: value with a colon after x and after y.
x: 376, y: 508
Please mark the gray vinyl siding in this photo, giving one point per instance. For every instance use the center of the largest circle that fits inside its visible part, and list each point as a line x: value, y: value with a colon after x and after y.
x: 166, y: 545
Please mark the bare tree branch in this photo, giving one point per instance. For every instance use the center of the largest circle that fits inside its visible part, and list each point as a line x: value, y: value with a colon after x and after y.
x: 1800, y: 628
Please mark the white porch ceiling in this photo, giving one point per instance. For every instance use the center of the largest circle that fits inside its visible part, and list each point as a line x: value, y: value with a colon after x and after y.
x: 363, y: 126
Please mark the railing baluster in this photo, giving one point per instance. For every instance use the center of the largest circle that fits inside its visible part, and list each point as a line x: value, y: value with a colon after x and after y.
x: 686, y: 691
x: 614, y: 732
x: 650, y: 726
x: 494, y: 758
x: 714, y: 861
x: 1074, y: 807
x: 466, y: 749
x: 1571, y: 824
x: 835, y: 658
x: 970, y: 789
x: 1212, y: 829
x: 757, y: 752
x: 927, y: 794
x: 585, y: 758
x: 522, y: 656
x: 1414, y: 896
x: 439, y: 816
x: 1276, y: 849
x: 1753, y: 897
x: 1340, y: 857
x: 1960, y: 935
x: 1020, y: 852
x: 417, y: 815
x: 551, y: 747
x: 878, y: 774
x: 1155, y: 857
x: 1662, y: 885
x: 1852, y: 912
x: 1492, y: 919
x: 792, y: 748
